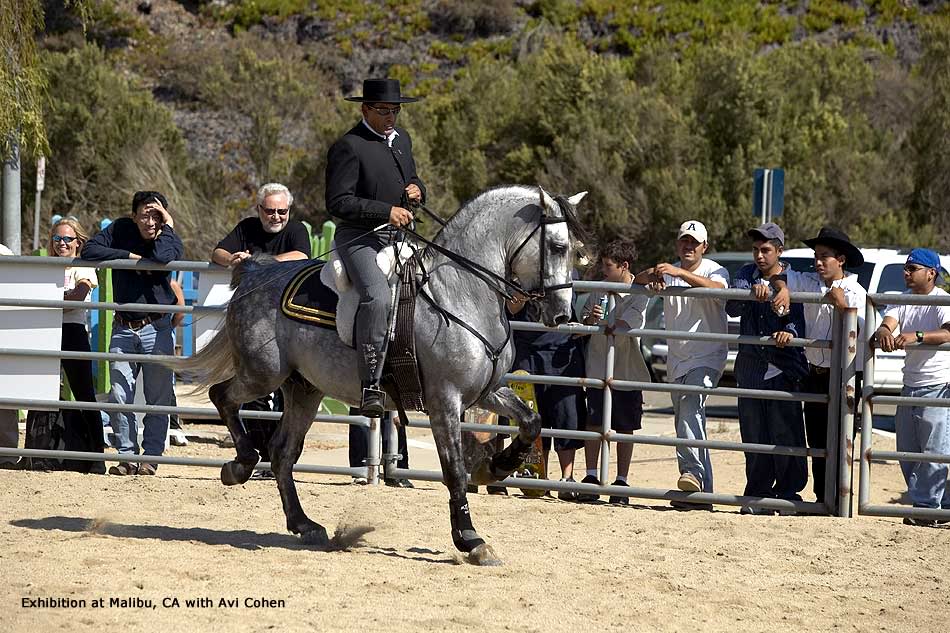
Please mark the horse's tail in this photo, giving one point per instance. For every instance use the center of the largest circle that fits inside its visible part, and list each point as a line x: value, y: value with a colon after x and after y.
x: 212, y: 365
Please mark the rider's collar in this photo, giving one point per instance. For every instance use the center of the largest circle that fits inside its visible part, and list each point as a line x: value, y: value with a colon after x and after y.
x: 389, y: 139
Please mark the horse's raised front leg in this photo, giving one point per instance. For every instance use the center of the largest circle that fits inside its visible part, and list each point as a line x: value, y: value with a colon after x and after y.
x: 227, y: 398
x: 301, y: 400
x: 446, y: 431
x: 505, y: 402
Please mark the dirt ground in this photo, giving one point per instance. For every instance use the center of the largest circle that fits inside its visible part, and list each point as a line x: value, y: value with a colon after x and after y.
x: 157, y: 542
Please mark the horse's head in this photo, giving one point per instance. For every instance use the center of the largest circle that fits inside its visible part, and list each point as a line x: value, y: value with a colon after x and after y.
x: 544, y: 260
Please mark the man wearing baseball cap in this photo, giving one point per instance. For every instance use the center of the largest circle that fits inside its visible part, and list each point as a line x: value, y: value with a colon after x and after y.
x: 769, y: 367
x: 698, y: 363
x: 922, y: 429
x: 834, y: 253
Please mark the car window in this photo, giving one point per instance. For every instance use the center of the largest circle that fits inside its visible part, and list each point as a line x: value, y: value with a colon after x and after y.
x: 807, y: 265
x: 892, y: 279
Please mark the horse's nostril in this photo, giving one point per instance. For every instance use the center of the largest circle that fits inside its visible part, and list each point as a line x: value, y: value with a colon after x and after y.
x: 561, y: 319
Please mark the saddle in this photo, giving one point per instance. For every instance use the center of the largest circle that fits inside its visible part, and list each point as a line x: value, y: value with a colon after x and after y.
x: 322, y: 295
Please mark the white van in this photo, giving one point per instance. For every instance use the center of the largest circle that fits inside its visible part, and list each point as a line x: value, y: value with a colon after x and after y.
x: 882, y: 272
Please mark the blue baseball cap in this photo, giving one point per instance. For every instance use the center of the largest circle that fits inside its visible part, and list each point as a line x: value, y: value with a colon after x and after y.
x: 924, y: 257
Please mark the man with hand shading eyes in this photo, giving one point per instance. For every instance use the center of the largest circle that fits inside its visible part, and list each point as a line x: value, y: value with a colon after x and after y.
x: 272, y: 232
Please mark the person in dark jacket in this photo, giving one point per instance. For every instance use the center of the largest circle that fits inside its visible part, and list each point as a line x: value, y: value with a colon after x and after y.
x: 371, y: 180
x: 769, y: 367
x: 148, y: 234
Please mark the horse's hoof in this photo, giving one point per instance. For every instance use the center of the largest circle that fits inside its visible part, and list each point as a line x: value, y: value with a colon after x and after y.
x: 482, y: 474
x: 317, y: 536
x: 484, y: 556
x: 234, y: 473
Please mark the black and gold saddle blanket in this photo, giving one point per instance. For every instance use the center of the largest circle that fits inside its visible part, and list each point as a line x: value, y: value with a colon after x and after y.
x: 308, y: 300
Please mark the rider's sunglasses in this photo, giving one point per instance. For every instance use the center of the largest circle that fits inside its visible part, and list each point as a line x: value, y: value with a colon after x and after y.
x: 66, y: 239
x: 280, y: 212
x: 910, y: 268
x: 384, y: 111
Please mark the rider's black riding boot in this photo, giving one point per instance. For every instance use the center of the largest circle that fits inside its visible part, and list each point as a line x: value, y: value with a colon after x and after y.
x: 373, y: 403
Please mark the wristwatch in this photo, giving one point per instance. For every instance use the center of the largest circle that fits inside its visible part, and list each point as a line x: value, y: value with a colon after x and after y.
x: 920, y: 336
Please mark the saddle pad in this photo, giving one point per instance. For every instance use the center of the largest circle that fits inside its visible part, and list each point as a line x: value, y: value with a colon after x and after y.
x: 308, y: 300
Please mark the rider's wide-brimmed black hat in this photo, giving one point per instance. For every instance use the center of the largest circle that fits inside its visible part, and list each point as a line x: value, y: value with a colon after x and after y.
x: 839, y: 241
x: 381, y: 91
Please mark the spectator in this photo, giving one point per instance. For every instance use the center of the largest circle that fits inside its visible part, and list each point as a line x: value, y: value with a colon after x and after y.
x: 148, y: 234
x: 83, y: 428
x: 833, y: 253
x: 271, y: 232
x: 769, y: 367
x: 697, y: 363
x: 616, y: 260
x: 560, y: 406
x: 176, y: 435
x: 9, y: 425
x: 922, y: 429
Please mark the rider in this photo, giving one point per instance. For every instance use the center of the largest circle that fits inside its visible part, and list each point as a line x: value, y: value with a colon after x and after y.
x: 371, y: 180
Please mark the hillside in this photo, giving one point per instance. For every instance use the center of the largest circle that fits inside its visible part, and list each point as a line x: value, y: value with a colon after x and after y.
x: 660, y: 109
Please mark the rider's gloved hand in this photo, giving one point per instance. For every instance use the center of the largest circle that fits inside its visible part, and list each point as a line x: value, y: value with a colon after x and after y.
x: 399, y: 216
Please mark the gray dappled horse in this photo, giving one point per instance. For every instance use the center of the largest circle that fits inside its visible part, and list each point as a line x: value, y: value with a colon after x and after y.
x: 513, y: 232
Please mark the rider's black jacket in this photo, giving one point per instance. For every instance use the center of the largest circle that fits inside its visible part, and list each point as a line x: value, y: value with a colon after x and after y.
x: 365, y: 177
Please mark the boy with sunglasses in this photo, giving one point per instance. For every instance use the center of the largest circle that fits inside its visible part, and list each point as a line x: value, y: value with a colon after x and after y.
x: 922, y: 429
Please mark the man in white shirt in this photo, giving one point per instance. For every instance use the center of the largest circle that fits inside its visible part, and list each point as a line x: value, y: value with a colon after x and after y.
x: 922, y: 429
x: 833, y: 253
x: 698, y: 363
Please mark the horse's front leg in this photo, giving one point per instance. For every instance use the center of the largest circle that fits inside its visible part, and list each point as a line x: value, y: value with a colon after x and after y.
x: 301, y: 401
x: 505, y: 402
x: 446, y: 429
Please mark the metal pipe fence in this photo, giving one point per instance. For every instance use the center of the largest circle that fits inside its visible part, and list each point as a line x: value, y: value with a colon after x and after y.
x: 838, y: 453
x: 870, y: 398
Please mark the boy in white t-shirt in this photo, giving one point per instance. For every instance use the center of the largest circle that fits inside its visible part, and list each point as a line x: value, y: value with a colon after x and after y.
x: 922, y: 429
x: 833, y: 253
x: 698, y: 363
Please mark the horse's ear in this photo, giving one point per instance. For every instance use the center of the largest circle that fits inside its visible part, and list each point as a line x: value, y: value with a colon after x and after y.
x: 576, y: 198
x: 547, y: 202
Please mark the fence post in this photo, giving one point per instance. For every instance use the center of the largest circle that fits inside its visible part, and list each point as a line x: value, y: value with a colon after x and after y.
x: 867, y: 408
x: 608, y: 399
x: 372, y: 451
x: 103, y: 382
x: 833, y: 432
x: 391, y: 450
x: 849, y: 340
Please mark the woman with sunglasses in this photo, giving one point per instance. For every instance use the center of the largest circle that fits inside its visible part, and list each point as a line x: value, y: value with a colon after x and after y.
x: 83, y: 428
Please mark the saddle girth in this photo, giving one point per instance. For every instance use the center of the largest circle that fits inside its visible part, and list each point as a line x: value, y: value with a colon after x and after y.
x: 402, y: 367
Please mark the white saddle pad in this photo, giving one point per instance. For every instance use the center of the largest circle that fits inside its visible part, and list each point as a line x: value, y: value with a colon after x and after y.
x: 335, y: 278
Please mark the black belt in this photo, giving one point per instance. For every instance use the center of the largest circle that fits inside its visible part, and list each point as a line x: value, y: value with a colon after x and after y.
x: 821, y: 371
x: 137, y: 324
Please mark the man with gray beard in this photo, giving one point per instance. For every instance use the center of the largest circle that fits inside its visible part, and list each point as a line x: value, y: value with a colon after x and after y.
x: 272, y: 232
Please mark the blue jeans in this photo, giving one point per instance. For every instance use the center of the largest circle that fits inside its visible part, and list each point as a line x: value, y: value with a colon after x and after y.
x: 689, y: 414
x: 157, y: 337
x: 925, y: 430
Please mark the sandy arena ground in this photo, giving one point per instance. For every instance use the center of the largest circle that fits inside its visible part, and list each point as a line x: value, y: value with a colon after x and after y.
x: 184, y: 536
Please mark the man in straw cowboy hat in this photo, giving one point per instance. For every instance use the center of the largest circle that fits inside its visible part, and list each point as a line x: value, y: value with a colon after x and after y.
x: 834, y: 253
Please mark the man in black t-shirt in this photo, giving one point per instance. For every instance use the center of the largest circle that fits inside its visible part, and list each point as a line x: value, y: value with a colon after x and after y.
x: 274, y: 233
x: 271, y: 232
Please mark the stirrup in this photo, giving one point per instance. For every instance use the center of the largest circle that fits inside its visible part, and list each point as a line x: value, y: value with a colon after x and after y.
x: 373, y: 403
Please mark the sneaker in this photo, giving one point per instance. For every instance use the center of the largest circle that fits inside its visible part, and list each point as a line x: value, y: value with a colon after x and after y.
x: 360, y: 481
x: 147, y: 469
x: 123, y: 469
x: 624, y: 501
x: 495, y: 490
x: 263, y: 474
x: 401, y: 482
x: 688, y: 482
x: 920, y: 522
x: 176, y: 437
x: 567, y: 495
x: 587, y: 497
x: 756, y: 511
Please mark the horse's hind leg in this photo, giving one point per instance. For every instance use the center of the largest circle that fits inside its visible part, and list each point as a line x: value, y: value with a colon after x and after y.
x: 301, y: 400
x: 505, y: 402
x: 448, y: 441
x: 228, y: 397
